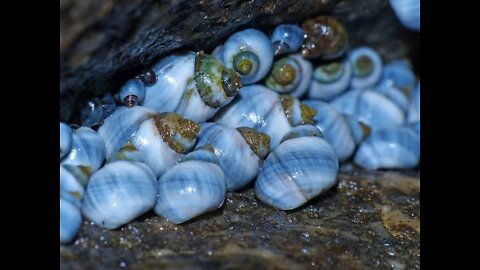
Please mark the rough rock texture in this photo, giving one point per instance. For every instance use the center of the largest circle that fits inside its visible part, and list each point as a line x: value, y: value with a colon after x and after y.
x: 369, y: 220
x: 105, y: 42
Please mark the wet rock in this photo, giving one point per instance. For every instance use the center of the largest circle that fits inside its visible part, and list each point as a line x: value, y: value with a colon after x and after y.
x: 369, y: 220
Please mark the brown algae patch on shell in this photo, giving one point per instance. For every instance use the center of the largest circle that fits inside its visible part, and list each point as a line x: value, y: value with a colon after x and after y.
x: 171, y: 124
x: 306, y: 113
x: 325, y: 37
x: 215, y: 82
x: 259, y: 142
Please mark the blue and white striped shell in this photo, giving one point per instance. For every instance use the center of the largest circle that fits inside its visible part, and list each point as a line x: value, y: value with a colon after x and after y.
x: 238, y: 160
x: 334, y: 128
x: 71, y: 190
x: 260, y: 108
x: 366, y: 67
x: 296, y: 171
x: 119, y: 127
x: 192, y: 85
x: 160, y: 139
x: 414, y: 105
x: 329, y: 80
x: 70, y: 221
x: 249, y: 53
x: 118, y: 193
x: 408, y: 12
x: 88, y: 150
x: 66, y: 138
x: 389, y: 148
x: 395, y: 95
x: 371, y: 108
x: 290, y: 75
x: 151, y: 140
x: 399, y: 74
x: 132, y: 93
x: 189, y: 189
x: 287, y: 38
x: 359, y: 130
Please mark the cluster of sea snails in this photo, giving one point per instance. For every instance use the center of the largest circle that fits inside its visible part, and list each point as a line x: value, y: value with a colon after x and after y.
x: 198, y: 125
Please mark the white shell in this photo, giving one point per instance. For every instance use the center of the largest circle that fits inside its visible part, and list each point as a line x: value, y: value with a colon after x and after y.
x: 70, y: 221
x: 173, y: 73
x: 371, y: 108
x: 118, y: 193
x: 237, y: 160
x: 370, y: 79
x: 298, y: 170
x: 390, y: 148
x: 259, y: 108
x: 66, y: 139
x: 254, y: 41
x: 119, y: 127
x: 70, y: 189
x: 307, y: 71
x: 88, y: 149
x: 155, y: 151
x: 334, y: 128
x: 327, y: 91
x: 190, y: 189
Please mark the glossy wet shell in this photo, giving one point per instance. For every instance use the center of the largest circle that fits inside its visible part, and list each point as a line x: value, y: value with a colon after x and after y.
x: 334, y: 128
x: 118, y: 193
x: 259, y: 108
x: 371, y: 108
x: 190, y: 189
x: 296, y: 171
x: 390, y: 148
x: 88, y: 149
x: 70, y: 221
x: 239, y: 163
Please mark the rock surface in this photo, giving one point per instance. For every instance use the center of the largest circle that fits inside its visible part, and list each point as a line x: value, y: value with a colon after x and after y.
x: 369, y: 220
x: 105, y: 42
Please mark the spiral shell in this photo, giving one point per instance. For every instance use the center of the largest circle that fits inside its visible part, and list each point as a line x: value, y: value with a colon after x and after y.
x: 70, y: 221
x: 290, y: 75
x: 334, y: 128
x: 88, y: 150
x: 190, y: 189
x: 243, y: 149
x: 192, y: 85
x: 296, y: 171
x: 389, y: 148
x: 118, y: 193
x: 259, y: 108
x: 330, y: 79
x: 66, y: 138
x: 249, y: 53
x: 163, y: 139
x: 366, y: 67
x: 119, y: 127
x: 325, y: 37
x: 287, y: 38
x: 370, y: 107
